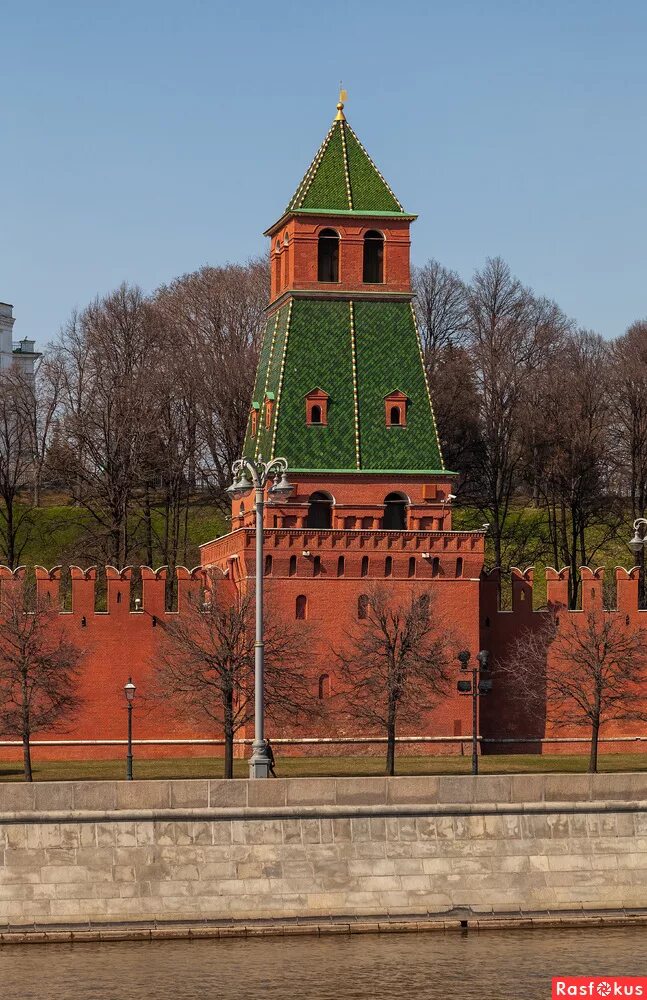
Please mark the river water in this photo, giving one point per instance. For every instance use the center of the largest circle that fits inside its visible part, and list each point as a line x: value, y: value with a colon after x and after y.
x: 432, y: 966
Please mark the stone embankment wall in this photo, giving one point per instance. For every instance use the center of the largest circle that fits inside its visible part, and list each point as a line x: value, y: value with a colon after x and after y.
x: 101, y: 852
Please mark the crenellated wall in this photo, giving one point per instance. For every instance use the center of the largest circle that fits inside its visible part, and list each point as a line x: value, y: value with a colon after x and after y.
x: 117, y: 642
x: 324, y: 573
x: 501, y: 716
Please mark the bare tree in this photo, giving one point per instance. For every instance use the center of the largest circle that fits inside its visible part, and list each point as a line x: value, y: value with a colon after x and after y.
x: 512, y: 333
x: 394, y: 665
x: 106, y: 354
x: 16, y: 466
x: 36, y: 400
x: 217, y: 313
x: 453, y: 387
x: 585, y: 671
x: 169, y: 462
x: 572, y: 445
x: 441, y: 309
x: 39, y: 668
x: 628, y: 434
x: 206, y: 659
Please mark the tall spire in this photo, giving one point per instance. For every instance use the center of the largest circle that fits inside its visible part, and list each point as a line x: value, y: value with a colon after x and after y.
x: 342, y: 177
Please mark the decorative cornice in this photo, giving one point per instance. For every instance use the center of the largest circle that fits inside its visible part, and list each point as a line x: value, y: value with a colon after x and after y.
x: 337, y: 295
x: 337, y: 212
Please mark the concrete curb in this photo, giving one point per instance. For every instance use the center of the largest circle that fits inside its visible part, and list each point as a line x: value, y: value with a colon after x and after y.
x: 335, y: 926
x: 246, y: 813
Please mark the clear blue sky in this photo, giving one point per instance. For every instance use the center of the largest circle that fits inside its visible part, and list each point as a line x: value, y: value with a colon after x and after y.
x: 139, y: 140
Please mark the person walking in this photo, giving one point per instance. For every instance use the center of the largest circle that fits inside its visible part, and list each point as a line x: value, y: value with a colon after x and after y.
x: 270, y: 754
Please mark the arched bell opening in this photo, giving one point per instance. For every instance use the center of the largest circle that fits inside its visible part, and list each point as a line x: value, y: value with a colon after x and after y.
x: 320, y: 510
x: 395, y: 512
x: 373, y: 273
x: 328, y: 256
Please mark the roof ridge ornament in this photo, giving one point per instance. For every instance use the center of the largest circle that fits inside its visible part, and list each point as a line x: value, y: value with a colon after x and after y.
x: 343, y: 96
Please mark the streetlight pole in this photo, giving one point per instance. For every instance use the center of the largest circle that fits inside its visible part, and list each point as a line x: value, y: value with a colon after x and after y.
x: 637, y: 545
x: 129, y: 691
x: 259, y: 473
x: 475, y: 687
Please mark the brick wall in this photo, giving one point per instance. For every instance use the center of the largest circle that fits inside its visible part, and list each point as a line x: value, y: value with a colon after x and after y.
x: 119, y: 641
x: 501, y: 716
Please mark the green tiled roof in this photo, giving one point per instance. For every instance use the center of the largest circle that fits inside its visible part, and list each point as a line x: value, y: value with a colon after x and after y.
x: 343, y: 178
x: 358, y: 352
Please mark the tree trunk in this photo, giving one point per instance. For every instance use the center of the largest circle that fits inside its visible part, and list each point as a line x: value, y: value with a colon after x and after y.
x: 229, y: 734
x: 11, y: 535
x: 593, y: 757
x: 26, y: 756
x: 390, y: 748
x: 36, y: 486
x: 26, y: 749
x: 229, y: 755
x: 148, y: 527
x: 573, y: 582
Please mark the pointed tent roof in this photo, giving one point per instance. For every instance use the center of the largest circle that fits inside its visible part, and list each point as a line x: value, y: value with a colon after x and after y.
x: 343, y: 178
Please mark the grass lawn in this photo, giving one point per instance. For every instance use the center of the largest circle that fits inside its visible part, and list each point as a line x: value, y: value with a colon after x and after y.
x: 302, y: 767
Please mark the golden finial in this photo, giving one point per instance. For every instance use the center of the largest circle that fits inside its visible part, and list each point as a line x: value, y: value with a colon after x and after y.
x: 343, y: 96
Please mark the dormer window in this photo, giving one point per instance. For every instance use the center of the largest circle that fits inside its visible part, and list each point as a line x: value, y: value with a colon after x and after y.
x: 373, y: 258
x: 254, y: 419
x: 328, y: 255
x: 317, y: 408
x: 269, y: 409
x: 395, y: 406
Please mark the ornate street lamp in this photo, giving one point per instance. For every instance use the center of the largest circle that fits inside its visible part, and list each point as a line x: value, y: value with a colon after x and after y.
x: 255, y: 474
x: 638, y: 541
x: 638, y: 545
x: 129, y: 691
x: 476, y: 687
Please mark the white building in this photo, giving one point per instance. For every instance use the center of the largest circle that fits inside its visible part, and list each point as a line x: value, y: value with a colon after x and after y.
x: 19, y: 352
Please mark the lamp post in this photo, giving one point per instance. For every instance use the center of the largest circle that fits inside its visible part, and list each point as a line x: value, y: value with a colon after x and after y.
x: 476, y: 687
x: 129, y: 691
x: 255, y: 474
x: 637, y: 545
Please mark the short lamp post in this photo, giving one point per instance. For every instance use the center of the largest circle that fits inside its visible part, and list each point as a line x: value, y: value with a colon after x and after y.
x: 255, y: 474
x: 476, y: 687
x: 129, y: 691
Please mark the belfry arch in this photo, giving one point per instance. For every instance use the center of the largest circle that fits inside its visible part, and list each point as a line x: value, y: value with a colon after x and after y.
x: 395, y: 512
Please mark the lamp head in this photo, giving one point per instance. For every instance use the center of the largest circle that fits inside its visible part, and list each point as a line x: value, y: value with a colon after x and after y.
x: 636, y: 542
x: 484, y: 659
x: 239, y: 488
x: 129, y: 689
x: 464, y: 658
x: 282, y: 488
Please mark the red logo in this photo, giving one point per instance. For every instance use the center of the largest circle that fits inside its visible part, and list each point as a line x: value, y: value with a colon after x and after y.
x: 595, y: 987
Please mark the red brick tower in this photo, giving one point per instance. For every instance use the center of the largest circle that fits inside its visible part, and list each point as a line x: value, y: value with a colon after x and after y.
x: 341, y: 393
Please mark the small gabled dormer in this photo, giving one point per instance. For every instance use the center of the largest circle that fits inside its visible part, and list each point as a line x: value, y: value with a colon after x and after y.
x: 395, y: 409
x: 269, y: 409
x: 317, y: 407
x: 253, y: 418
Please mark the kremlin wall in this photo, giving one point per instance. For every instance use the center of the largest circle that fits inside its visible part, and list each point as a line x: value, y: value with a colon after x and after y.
x: 341, y: 393
x: 121, y: 642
